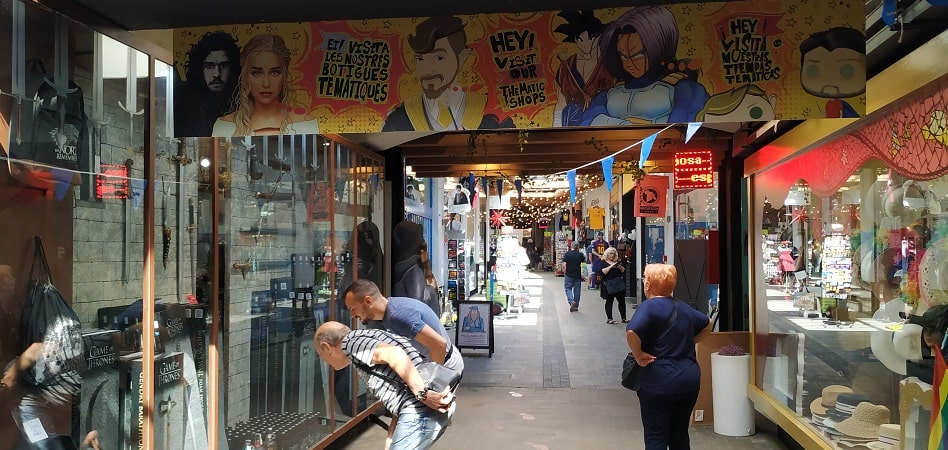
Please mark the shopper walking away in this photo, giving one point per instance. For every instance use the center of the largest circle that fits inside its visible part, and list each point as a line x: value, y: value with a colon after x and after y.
x: 611, y: 268
x: 662, y: 336
x: 573, y: 279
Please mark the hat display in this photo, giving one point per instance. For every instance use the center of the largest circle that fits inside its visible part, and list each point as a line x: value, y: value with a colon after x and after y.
x: 890, y: 433
x: 845, y: 406
x: 889, y: 438
x: 935, y: 318
x: 827, y: 400
x: 865, y: 422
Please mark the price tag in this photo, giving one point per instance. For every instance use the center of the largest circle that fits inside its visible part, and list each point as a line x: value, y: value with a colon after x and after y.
x: 34, y: 430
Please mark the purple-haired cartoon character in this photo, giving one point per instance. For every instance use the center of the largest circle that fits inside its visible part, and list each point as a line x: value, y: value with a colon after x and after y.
x: 655, y: 86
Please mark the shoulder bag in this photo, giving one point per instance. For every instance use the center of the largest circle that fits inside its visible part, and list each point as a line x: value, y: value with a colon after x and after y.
x: 631, y: 368
x: 614, y: 285
x: 435, y: 376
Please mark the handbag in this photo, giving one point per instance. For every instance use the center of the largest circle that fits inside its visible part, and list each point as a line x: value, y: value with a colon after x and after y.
x: 437, y: 377
x: 50, y: 320
x: 630, y: 371
x: 614, y: 285
x: 631, y: 368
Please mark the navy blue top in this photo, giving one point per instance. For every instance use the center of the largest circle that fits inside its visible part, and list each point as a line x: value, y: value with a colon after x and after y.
x: 573, y: 260
x: 675, y: 368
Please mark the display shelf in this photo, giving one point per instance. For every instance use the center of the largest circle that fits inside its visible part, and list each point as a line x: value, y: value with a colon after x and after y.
x: 457, y: 271
x: 837, y: 266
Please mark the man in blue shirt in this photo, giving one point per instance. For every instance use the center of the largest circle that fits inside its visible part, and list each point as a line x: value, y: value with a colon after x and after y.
x: 404, y: 316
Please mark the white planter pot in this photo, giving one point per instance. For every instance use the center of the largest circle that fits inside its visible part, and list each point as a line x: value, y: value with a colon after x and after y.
x: 733, y: 411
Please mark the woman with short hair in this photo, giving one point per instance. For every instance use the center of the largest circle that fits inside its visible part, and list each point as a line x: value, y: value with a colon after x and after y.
x: 662, y: 336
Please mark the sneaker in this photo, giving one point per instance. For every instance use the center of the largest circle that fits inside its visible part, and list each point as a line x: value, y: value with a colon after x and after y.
x: 573, y: 306
x: 610, y: 321
x: 625, y: 320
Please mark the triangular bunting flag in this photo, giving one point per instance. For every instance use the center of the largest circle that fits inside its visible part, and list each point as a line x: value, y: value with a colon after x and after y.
x: 138, y: 190
x: 571, y: 176
x: 647, y: 144
x: 607, y: 171
x: 518, y: 183
x: 500, y: 189
x: 692, y: 129
x: 475, y: 194
x: 375, y: 181
x: 62, y: 181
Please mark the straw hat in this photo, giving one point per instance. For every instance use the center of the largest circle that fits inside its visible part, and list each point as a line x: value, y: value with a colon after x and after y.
x: 865, y: 422
x: 889, y: 437
x: 827, y: 400
x: 845, y: 405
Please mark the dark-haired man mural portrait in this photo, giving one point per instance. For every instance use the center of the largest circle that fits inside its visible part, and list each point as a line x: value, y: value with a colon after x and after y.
x: 833, y: 66
x: 207, y: 92
x: 440, y: 47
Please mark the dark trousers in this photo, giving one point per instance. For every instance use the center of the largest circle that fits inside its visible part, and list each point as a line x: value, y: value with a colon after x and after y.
x: 619, y: 298
x: 665, y: 419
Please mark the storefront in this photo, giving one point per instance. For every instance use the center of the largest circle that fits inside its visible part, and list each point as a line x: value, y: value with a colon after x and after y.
x: 849, y: 238
x: 276, y: 225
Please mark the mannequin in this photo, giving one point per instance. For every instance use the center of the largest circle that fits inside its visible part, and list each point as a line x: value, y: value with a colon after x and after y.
x: 411, y: 265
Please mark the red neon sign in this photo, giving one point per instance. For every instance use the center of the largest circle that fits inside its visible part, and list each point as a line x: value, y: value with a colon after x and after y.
x: 694, y: 170
x: 112, y: 181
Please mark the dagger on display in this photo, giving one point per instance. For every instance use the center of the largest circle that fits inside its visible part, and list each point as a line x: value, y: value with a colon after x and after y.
x: 166, y: 230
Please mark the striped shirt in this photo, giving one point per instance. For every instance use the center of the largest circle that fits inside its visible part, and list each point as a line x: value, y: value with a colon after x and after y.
x: 359, y: 346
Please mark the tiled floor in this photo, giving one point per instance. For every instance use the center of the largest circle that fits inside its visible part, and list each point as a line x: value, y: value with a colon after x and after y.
x: 552, y: 383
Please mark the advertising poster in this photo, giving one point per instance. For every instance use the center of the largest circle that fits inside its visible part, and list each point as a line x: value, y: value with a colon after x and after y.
x: 475, y: 325
x: 651, y: 196
x: 688, y: 62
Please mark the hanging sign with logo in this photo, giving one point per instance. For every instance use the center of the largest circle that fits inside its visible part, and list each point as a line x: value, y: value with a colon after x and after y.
x: 694, y: 170
x: 650, y: 196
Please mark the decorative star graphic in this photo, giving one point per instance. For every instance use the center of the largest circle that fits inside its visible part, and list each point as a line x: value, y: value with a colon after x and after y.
x: 497, y: 219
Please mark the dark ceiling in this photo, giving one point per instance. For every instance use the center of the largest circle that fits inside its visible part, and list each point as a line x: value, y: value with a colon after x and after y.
x: 549, y: 151
x: 147, y: 15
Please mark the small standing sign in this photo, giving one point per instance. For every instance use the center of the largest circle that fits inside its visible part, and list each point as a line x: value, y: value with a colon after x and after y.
x: 475, y: 326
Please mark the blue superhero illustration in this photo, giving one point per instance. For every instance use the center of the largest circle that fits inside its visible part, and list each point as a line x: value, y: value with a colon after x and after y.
x: 833, y: 66
x: 654, y: 86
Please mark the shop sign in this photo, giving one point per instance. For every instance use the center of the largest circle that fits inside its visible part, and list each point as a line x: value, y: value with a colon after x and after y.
x: 651, y: 196
x: 112, y: 181
x: 694, y: 170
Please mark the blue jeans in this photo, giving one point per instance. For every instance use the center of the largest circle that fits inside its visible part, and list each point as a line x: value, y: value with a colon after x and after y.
x: 419, y: 430
x: 665, y: 419
x: 574, y: 287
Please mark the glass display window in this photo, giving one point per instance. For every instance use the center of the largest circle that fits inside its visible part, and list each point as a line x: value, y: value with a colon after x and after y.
x: 838, y: 272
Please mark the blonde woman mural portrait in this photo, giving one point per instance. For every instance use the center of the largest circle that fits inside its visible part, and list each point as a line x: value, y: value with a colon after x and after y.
x: 264, y: 97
